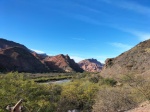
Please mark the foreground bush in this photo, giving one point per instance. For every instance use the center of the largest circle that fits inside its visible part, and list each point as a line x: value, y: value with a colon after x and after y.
x: 113, y: 100
x: 77, y: 95
x: 140, y: 84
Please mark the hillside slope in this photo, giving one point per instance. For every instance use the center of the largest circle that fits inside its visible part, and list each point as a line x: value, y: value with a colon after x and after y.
x: 134, y: 61
x: 21, y: 60
x: 4, y: 44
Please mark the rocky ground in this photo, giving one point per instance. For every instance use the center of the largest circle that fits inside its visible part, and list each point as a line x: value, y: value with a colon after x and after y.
x: 144, y: 107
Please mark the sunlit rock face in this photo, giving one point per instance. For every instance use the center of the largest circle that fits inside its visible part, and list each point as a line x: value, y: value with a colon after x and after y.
x: 62, y: 63
x: 91, y: 65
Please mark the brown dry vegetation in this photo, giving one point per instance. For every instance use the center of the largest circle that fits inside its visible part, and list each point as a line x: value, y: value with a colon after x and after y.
x: 132, y: 91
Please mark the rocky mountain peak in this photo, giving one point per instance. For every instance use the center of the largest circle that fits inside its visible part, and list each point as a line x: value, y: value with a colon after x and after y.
x: 62, y: 63
x: 91, y: 65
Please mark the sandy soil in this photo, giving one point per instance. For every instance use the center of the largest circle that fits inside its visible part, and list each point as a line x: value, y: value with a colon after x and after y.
x: 144, y: 107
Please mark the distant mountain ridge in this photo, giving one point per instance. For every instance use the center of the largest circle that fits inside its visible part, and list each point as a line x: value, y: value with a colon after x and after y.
x: 91, y: 65
x: 17, y: 57
x: 62, y: 63
x: 134, y: 61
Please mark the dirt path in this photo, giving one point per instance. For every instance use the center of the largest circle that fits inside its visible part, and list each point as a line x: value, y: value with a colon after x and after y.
x: 144, y: 107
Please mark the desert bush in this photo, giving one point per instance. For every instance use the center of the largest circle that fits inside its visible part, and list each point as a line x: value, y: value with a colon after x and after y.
x: 113, y: 99
x: 77, y: 95
x: 107, y: 81
x: 139, y: 84
x: 95, y: 78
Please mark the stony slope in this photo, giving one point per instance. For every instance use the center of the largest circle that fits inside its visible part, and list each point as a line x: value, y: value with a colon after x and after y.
x: 62, y: 63
x: 91, y: 65
x: 134, y: 61
x: 21, y: 60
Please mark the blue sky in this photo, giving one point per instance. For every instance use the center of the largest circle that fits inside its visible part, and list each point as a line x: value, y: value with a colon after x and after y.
x: 81, y: 28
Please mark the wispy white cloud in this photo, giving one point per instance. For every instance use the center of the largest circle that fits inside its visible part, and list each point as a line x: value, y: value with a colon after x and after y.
x: 139, y: 34
x: 77, y: 58
x: 136, y: 7
x: 102, y: 58
x: 88, y: 8
x: 87, y: 19
x: 38, y: 51
x: 130, y: 5
x: 121, y: 46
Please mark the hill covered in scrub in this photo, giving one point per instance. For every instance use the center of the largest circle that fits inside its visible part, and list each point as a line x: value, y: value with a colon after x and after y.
x: 134, y: 61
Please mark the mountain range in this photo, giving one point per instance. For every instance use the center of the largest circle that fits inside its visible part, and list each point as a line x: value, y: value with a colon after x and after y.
x: 17, y: 57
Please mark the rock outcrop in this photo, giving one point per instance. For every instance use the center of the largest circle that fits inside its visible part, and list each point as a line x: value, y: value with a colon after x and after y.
x: 134, y: 61
x: 91, y: 65
x: 62, y: 63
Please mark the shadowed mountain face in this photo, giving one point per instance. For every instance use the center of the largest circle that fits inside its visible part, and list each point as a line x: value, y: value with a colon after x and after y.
x: 134, y: 61
x: 17, y: 57
x: 91, y: 65
x: 21, y: 60
x: 62, y: 63
x: 4, y: 44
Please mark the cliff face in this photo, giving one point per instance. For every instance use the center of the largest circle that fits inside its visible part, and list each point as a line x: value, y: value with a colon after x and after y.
x: 62, y: 63
x: 91, y: 65
x: 134, y: 61
x: 21, y: 60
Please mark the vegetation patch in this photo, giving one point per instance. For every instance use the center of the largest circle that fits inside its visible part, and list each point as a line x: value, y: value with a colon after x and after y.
x: 86, y: 92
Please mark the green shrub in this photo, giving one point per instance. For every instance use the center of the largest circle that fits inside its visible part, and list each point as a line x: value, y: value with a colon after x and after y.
x: 108, y: 81
x: 77, y: 95
x: 95, y: 78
